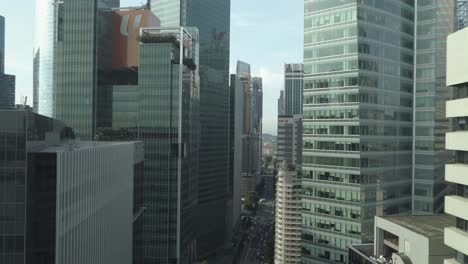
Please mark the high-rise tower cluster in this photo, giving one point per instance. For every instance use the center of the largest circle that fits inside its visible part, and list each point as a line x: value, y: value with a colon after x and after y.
x: 249, y: 102
x: 158, y: 74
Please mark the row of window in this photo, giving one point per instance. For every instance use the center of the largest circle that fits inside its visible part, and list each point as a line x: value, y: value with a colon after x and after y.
x: 364, y: 147
x: 357, y: 196
x: 330, y: 34
x: 371, y: 130
x: 371, y: 114
x: 390, y: 83
x: 330, y: 18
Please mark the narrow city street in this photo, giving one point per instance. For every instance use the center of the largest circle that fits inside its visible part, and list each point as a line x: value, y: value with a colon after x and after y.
x: 257, y: 247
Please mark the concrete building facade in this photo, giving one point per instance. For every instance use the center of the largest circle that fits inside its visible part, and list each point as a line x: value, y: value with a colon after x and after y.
x: 288, y: 216
x: 456, y: 173
x: 65, y: 201
x: 417, y: 239
x: 289, y: 140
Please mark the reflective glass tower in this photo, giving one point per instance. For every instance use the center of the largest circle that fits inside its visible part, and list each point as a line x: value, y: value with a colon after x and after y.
x: 65, y: 61
x: 7, y: 82
x: 212, y: 18
x: 435, y: 21
x: 162, y: 110
x: 293, y: 85
x: 44, y: 46
x: 257, y: 118
x: 2, y: 44
x: 358, y: 92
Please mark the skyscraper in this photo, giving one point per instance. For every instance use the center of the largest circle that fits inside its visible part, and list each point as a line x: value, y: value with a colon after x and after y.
x: 7, y: 82
x: 162, y: 112
x: 288, y: 216
x: 212, y: 18
x: 67, y: 59
x: 293, y: 87
x: 252, y: 118
x: 281, y: 106
x: 235, y: 143
x: 2, y: 44
x: 357, y: 157
x: 456, y: 172
x: 435, y: 21
x: 257, y: 118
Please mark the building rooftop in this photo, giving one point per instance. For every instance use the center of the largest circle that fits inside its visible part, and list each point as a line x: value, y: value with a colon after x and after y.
x: 64, y: 146
x: 425, y: 225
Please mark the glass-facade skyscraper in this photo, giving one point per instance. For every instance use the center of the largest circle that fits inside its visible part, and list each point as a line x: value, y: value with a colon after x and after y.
x: 212, y: 18
x: 257, y: 124
x: 435, y: 21
x: 2, y: 44
x: 162, y: 111
x: 66, y: 60
x: 7, y: 82
x: 293, y: 88
x: 358, y: 112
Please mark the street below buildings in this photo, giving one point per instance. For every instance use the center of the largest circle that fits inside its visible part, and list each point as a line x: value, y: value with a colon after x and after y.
x: 258, y: 245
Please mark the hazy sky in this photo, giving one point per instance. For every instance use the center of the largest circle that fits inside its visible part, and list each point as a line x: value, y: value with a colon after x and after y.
x: 264, y: 33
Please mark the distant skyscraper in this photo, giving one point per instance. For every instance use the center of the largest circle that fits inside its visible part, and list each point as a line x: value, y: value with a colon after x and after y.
x: 293, y: 86
x: 171, y: 12
x: 243, y: 73
x: 2, y: 44
x: 7, y: 82
x: 64, y: 201
x: 43, y: 61
x: 289, y: 140
x: 235, y: 142
x: 358, y: 93
x: 212, y: 18
x: 435, y: 22
x: 288, y: 216
x: 456, y: 237
x: 252, y: 118
x: 281, y: 106
x: 257, y: 118
x: 7, y: 91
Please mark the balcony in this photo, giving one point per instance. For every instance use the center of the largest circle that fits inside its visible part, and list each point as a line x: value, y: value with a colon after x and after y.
x: 456, y: 239
x: 457, y: 173
x: 457, y: 140
x: 456, y: 206
x: 457, y: 108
